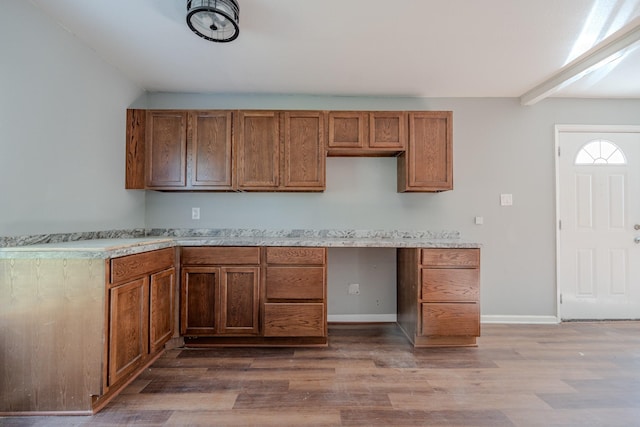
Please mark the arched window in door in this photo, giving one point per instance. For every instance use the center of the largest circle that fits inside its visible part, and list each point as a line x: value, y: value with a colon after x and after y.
x: 600, y: 152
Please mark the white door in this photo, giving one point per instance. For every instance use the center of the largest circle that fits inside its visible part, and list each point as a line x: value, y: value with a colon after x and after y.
x: 599, y: 225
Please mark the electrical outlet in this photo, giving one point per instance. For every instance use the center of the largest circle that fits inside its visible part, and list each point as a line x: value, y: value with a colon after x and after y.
x: 506, y: 199
x: 353, y: 289
x: 195, y: 213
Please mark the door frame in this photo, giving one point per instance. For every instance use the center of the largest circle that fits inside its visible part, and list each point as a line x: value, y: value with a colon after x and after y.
x: 575, y: 128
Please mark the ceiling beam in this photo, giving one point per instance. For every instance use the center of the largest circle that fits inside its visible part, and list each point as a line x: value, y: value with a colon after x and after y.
x: 599, y: 55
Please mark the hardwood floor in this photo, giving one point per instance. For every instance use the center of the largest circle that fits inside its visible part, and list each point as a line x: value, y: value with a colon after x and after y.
x: 572, y: 374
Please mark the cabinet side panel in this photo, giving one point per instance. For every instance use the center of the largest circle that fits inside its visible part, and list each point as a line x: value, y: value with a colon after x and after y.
x: 51, y: 329
x: 407, y: 283
x: 134, y: 173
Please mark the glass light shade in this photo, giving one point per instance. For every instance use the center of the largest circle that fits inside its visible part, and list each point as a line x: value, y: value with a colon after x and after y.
x: 214, y: 20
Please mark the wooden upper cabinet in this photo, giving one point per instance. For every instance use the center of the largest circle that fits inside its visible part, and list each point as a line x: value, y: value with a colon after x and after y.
x: 347, y: 130
x: 166, y: 149
x: 263, y: 150
x: 427, y: 165
x: 387, y: 130
x: 209, y: 146
x: 304, y: 156
x: 362, y: 133
x: 258, y: 150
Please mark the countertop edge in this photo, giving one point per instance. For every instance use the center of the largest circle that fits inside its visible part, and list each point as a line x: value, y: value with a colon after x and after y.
x: 113, y: 248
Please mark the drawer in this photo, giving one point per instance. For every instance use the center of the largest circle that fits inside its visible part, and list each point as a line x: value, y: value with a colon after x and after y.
x: 448, y: 284
x: 450, y: 319
x: 133, y: 266
x: 296, y: 256
x: 294, y: 320
x: 451, y: 257
x: 295, y: 283
x: 221, y: 255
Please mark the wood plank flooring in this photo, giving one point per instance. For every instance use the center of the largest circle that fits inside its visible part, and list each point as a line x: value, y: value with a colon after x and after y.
x: 572, y: 374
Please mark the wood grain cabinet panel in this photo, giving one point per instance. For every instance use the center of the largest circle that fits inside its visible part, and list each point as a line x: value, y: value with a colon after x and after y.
x: 294, y: 255
x: 295, y: 292
x: 387, y: 130
x: 304, y: 153
x: 161, y: 308
x: 347, y: 130
x: 198, y: 300
x: 258, y: 150
x: 296, y: 283
x: 223, y: 255
x: 450, y: 319
x: 128, y: 328
x: 366, y: 133
x: 133, y: 266
x: 439, y: 296
x: 295, y: 320
x: 442, y: 284
x: 239, y: 301
x: 454, y: 258
x: 210, y: 150
x: 140, y: 313
x: 427, y: 165
x: 220, y: 291
x: 166, y: 149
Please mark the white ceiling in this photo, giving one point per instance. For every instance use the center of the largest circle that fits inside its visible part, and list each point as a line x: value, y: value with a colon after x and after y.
x: 425, y: 48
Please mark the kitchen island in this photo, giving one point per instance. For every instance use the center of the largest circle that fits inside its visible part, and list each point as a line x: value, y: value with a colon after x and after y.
x: 82, y: 318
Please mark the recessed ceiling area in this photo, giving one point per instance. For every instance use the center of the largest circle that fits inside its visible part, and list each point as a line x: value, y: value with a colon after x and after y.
x: 416, y: 48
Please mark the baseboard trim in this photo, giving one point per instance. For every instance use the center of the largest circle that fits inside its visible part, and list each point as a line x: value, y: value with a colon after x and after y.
x: 534, y: 320
x: 361, y: 318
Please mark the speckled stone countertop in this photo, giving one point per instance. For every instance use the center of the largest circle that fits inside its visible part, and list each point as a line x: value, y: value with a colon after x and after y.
x: 80, y: 246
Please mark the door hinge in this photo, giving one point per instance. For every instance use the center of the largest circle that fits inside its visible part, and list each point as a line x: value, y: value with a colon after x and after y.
x: 558, y: 151
x: 560, y: 298
x: 559, y: 224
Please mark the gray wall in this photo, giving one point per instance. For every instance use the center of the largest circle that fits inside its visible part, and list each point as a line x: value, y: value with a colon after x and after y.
x: 62, y: 169
x: 61, y: 131
x: 499, y: 147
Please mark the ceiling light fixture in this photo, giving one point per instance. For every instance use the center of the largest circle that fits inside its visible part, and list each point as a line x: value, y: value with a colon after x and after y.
x: 214, y: 20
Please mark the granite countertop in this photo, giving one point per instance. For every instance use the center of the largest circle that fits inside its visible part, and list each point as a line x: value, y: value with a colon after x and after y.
x: 101, y: 248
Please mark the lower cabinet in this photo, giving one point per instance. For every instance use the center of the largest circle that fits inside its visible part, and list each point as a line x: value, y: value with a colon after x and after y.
x: 220, y: 291
x: 253, y: 295
x: 140, y: 311
x: 438, y: 296
x: 295, y: 292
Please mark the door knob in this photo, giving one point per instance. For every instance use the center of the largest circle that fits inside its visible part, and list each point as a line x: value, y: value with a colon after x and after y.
x: 636, y: 227
x: 637, y: 239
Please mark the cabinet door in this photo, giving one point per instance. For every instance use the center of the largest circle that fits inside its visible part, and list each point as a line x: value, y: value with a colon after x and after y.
x: 161, y: 297
x: 239, y: 300
x: 304, y: 151
x: 210, y: 150
x: 258, y: 150
x: 387, y: 130
x: 198, y: 298
x: 128, y: 328
x: 347, y: 129
x: 427, y: 165
x: 166, y: 149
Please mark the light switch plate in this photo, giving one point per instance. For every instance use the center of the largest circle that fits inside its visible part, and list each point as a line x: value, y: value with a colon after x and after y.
x: 506, y: 199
